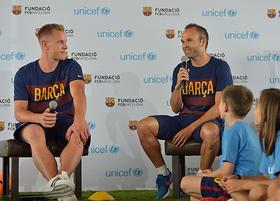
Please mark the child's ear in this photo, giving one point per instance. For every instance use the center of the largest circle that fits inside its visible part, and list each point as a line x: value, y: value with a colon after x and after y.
x: 225, y: 107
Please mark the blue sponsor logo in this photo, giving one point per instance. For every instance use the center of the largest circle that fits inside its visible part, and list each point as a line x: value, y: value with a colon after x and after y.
x: 158, y: 79
x: 220, y: 13
x: 274, y: 80
x: 148, y: 56
x: 105, y: 11
x: 131, y: 172
x: 106, y: 149
x: 93, y: 11
x: 91, y: 125
x: 242, y: 35
x: 123, y: 33
x: 12, y: 56
x: 272, y: 57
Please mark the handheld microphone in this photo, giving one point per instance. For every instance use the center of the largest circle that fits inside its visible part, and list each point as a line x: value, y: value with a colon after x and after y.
x: 184, y: 61
x: 52, y: 105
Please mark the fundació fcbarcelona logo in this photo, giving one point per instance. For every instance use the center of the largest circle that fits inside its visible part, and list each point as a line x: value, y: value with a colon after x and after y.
x: 37, y: 10
x: 107, y: 78
x: 130, y: 172
x: 124, y: 102
x: 148, y: 11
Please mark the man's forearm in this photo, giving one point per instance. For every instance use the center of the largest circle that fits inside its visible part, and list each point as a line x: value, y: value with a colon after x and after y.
x: 27, y: 116
x: 80, y: 107
x: 176, y: 100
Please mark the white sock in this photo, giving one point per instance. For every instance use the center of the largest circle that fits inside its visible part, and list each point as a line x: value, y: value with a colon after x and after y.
x: 162, y: 170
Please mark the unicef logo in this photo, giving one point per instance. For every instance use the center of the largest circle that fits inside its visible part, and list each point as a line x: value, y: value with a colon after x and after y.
x: 114, y: 149
x: 128, y: 34
x: 91, y: 125
x: 254, y: 35
x: 151, y: 56
x: 276, y: 57
x: 232, y: 13
x: 105, y: 11
x: 19, y: 56
x: 137, y: 172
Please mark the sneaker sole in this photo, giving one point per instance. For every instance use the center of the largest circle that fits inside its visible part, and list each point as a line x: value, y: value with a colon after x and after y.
x: 166, y: 193
x: 59, y: 191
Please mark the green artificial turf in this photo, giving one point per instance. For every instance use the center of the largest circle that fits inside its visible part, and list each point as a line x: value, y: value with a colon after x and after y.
x: 147, y: 195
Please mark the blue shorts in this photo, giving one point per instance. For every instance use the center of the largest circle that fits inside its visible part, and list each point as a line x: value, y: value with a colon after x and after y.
x: 169, y: 126
x: 56, y: 133
x: 209, y: 187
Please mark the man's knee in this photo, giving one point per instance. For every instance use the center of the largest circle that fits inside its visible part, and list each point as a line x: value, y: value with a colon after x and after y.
x: 209, y: 133
x: 258, y: 193
x: 33, y: 133
x: 146, y: 127
x: 273, y: 187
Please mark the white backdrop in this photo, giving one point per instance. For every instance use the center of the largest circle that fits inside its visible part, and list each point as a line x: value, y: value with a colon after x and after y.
x: 128, y: 60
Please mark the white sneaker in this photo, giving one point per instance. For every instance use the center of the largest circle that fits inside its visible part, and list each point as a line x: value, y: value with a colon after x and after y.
x: 230, y: 199
x: 59, y: 186
x: 71, y: 197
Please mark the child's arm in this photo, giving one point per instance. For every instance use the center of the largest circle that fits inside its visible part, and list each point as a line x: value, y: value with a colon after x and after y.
x: 226, y: 170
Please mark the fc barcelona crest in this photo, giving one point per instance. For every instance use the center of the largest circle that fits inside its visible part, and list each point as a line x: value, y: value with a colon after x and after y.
x: 110, y: 101
x: 170, y: 33
x: 271, y: 12
x: 147, y: 11
x: 16, y: 9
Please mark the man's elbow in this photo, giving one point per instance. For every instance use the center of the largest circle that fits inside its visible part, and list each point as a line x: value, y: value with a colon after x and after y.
x: 175, y: 110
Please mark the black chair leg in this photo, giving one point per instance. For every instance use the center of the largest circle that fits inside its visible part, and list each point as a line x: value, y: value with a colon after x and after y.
x: 78, y: 180
x: 15, y: 178
x: 178, y: 170
x: 6, y: 172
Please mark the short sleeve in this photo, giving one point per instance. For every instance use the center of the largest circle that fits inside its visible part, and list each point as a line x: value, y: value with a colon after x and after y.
x: 75, y: 72
x: 224, y: 77
x: 230, y: 147
x: 174, y: 77
x: 20, y: 90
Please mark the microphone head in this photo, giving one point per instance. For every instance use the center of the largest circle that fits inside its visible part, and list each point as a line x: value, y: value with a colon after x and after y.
x: 52, y: 105
x: 184, y: 59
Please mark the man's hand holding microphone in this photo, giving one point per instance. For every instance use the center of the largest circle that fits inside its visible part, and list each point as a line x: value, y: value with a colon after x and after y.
x: 48, y: 117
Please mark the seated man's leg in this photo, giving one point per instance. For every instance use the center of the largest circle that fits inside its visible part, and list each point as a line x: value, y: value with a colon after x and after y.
x: 34, y: 135
x: 149, y: 131
x: 71, y: 155
x: 258, y: 193
x: 210, y: 135
x: 240, y: 196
